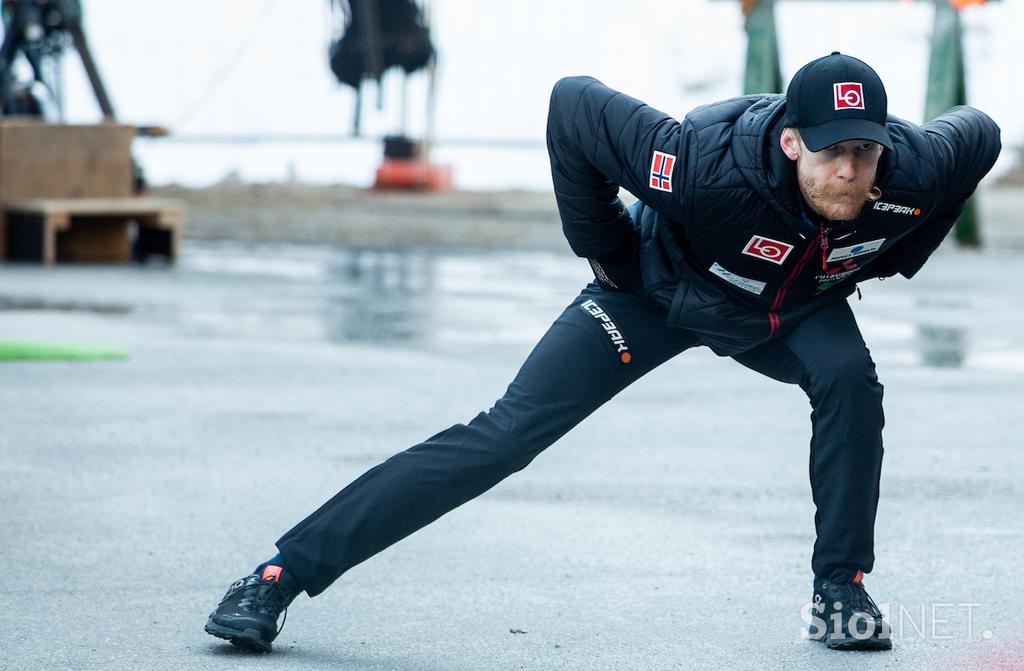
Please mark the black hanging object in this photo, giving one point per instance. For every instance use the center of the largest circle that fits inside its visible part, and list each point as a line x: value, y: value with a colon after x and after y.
x: 380, y: 34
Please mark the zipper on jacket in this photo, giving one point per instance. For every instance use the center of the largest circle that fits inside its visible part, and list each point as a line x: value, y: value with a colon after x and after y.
x: 780, y: 295
x: 824, y: 248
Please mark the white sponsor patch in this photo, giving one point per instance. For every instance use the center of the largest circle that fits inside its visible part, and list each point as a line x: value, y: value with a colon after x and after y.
x: 841, y: 253
x: 745, y: 283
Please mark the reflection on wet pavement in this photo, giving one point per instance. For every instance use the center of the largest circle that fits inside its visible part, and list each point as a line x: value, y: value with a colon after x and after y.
x: 381, y: 296
x: 446, y: 298
x: 942, y: 346
x: 425, y: 298
x: 11, y: 303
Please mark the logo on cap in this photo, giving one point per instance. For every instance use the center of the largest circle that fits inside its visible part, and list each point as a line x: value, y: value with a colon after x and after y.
x: 848, y: 95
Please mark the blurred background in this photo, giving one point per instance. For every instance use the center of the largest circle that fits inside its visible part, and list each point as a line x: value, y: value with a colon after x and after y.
x: 245, y: 88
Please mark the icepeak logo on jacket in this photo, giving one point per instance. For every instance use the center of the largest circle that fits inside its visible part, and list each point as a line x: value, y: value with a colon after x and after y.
x: 613, y: 332
x: 893, y: 208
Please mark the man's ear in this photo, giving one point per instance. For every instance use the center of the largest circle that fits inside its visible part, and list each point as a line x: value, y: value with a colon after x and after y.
x: 790, y: 144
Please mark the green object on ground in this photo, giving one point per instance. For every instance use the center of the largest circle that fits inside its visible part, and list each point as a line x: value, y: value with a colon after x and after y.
x: 36, y: 351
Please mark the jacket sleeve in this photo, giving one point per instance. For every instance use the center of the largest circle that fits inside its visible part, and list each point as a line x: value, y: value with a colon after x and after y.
x: 965, y: 144
x: 598, y: 140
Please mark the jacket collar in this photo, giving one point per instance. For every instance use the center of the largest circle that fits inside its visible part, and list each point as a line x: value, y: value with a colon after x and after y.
x: 756, y: 150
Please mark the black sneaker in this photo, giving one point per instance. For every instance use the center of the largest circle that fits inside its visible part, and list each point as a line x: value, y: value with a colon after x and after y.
x: 850, y: 617
x: 247, y: 615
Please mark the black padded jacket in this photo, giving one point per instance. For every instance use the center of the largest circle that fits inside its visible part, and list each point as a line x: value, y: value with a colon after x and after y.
x: 721, y: 235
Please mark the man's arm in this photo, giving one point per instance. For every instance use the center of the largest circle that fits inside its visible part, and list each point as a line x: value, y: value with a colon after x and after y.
x: 598, y: 140
x: 965, y: 144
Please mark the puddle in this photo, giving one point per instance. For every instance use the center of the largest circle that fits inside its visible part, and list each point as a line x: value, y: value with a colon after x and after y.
x: 942, y: 346
x: 12, y: 303
x: 377, y: 295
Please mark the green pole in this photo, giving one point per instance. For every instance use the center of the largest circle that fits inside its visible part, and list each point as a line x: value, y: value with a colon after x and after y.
x: 763, y: 73
x: 947, y: 88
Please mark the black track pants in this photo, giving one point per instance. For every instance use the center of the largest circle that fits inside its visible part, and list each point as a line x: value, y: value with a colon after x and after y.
x: 577, y: 366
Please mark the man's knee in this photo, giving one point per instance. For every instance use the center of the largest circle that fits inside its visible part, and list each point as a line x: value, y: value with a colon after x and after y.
x: 494, y: 443
x: 843, y: 376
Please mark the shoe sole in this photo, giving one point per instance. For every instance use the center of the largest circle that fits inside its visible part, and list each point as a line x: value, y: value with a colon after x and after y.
x: 859, y: 644
x: 852, y: 643
x: 247, y: 639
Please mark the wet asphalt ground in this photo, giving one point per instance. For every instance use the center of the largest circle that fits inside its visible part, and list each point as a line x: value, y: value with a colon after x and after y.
x: 671, y: 530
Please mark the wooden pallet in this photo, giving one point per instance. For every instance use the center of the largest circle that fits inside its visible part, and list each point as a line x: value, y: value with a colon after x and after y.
x: 103, y: 230
x: 44, y: 160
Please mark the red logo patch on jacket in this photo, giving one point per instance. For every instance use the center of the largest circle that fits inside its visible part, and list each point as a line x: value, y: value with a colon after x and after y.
x: 768, y: 249
x: 661, y: 171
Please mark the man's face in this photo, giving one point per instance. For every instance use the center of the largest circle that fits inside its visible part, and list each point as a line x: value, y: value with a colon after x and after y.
x: 834, y: 181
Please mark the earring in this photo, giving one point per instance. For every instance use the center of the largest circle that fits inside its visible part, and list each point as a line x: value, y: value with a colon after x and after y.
x: 874, y: 193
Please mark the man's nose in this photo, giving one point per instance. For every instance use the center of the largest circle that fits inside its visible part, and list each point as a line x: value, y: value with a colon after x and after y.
x: 846, y: 168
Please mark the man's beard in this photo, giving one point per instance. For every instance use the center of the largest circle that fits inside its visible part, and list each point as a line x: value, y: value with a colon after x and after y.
x: 835, y: 202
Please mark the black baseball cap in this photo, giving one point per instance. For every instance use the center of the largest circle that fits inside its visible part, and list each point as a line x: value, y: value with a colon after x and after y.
x: 837, y: 98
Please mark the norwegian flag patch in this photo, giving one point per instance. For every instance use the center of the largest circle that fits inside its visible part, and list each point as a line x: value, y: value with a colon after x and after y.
x: 661, y: 171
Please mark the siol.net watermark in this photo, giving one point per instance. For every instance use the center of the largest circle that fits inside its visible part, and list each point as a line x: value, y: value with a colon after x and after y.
x: 935, y: 621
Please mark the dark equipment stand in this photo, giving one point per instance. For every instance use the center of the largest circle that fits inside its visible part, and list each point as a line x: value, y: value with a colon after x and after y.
x: 39, y: 28
x: 70, y: 192
x: 380, y: 35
